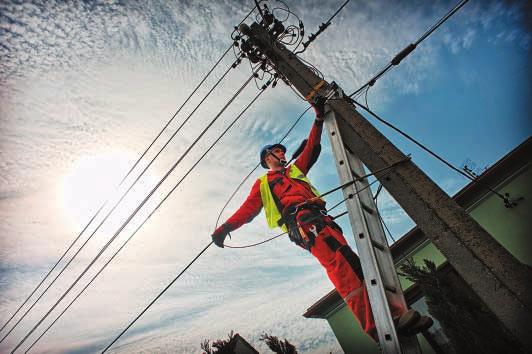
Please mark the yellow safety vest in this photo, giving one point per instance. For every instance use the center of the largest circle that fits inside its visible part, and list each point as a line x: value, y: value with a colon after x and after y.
x: 270, y: 208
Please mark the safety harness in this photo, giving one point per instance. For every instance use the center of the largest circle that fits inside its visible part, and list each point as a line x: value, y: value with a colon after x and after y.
x: 303, y: 221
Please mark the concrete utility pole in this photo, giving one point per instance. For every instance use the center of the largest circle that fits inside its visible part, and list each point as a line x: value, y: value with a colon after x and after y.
x: 499, y: 279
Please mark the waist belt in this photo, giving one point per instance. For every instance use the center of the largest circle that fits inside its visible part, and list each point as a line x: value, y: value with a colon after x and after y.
x: 305, y: 222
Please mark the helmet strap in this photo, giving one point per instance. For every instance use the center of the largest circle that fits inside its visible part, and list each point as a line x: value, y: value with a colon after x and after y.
x: 281, y: 161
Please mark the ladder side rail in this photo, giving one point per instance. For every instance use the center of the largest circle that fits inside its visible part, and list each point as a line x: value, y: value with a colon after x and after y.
x: 386, y: 265
x: 384, y: 258
x: 388, y: 339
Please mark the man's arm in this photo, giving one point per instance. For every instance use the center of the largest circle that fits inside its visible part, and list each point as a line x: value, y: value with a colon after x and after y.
x: 304, y: 161
x: 247, y: 212
x: 313, y: 148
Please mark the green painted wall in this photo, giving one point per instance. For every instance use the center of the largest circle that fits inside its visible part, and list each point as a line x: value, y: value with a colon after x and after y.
x: 354, y: 341
x: 427, y: 251
x: 510, y: 227
x: 349, y: 333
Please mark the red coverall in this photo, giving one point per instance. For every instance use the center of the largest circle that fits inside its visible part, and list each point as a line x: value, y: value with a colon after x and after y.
x: 330, y: 247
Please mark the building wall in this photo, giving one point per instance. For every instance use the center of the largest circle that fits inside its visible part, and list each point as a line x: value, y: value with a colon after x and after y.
x: 510, y: 227
x: 354, y: 341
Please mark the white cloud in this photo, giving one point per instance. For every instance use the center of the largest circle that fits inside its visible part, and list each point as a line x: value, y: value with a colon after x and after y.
x: 78, y: 78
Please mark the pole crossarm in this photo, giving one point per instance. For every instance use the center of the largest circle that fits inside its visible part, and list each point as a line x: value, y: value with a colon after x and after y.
x: 499, y: 279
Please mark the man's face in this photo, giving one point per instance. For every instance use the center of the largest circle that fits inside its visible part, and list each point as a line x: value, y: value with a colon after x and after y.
x: 273, y: 162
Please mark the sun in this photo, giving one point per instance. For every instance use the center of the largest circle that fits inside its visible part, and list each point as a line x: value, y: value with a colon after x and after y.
x: 93, y: 180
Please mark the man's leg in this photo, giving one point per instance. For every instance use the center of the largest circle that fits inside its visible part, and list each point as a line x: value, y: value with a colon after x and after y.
x: 343, y: 268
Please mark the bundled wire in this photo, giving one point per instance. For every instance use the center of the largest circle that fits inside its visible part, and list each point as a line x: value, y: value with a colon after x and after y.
x: 321, y: 29
x: 197, y: 256
x: 350, y: 196
x: 117, y: 203
x: 137, y: 209
x: 376, y: 199
x: 409, y: 48
x: 505, y: 198
x: 149, y: 216
x: 104, y: 204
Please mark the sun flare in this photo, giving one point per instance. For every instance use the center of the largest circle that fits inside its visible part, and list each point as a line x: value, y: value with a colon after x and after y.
x: 93, y: 180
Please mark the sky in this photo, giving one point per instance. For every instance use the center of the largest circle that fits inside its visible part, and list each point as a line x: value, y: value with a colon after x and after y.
x: 86, y: 86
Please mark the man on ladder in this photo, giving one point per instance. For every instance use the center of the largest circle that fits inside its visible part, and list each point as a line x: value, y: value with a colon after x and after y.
x: 292, y: 203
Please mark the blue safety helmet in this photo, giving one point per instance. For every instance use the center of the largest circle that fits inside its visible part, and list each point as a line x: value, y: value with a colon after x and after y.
x: 266, y: 149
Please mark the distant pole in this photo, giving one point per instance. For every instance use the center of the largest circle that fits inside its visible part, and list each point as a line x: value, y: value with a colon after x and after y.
x: 499, y: 279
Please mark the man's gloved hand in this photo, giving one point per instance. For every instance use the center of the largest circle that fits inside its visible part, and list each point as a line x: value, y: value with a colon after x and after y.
x: 219, y: 235
x: 318, y: 103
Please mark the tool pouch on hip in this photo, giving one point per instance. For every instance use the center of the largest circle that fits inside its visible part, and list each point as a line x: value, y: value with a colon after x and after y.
x: 295, y: 233
x: 298, y: 227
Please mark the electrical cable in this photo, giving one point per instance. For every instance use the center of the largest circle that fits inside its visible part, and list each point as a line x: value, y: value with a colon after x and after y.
x: 117, y: 203
x: 351, y: 196
x: 358, y: 179
x: 167, y: 287
x: 321, y: 28
x: 122, y: 181
x: 118, y: 186
x: 360, y: 90
x: 410, y: 48
x: 441, y: 21
x: 257, y: 5
x: 257, y: 166
x: 195, y: 258
x: 276, y: 236
x: 375, y: 198
x: 149, y: 216
x: 136, y: 210
x: 506, y: 200
x: 157, y: 297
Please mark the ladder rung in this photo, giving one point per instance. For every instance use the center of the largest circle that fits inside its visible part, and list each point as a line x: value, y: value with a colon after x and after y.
x: 390, y: 288
x: 356, y: 175
x: 359, y: 177
x: 378, y: 245
x: 367, y: 208
x: 348, y: 149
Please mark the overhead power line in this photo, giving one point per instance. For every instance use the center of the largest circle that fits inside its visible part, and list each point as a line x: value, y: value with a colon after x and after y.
x: 149, y: 216
x: 367, y: 85
x: 506, y: 200
x: 117, y: 203
x: 409, y: 48
x: 397, y: 59
x: 195, y: 258
x: 137, y: 209
x: 121, y: 182
x: 257, y: 166
x: 158, y: 296
x: 321, y: 29
x: 376, y: 200
x: 247, y: 246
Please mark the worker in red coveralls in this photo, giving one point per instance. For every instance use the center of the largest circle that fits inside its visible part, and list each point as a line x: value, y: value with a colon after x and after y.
x: 292, y: 203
